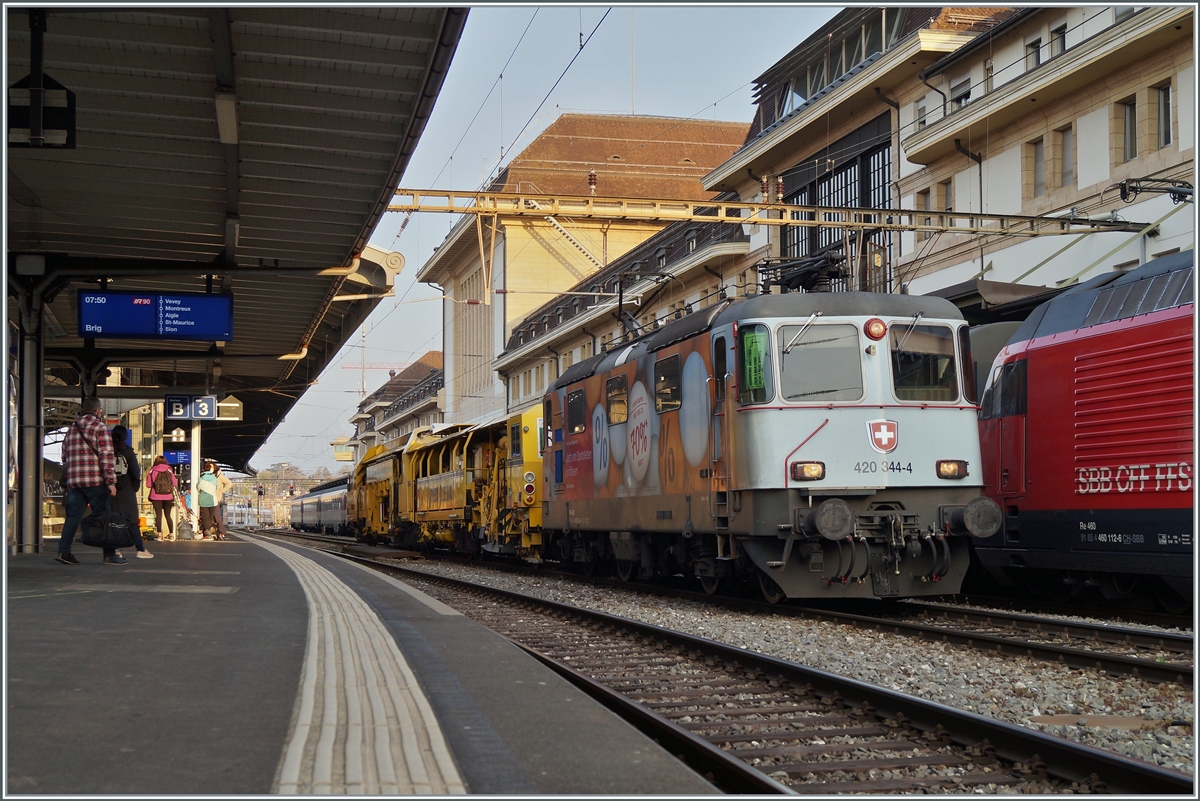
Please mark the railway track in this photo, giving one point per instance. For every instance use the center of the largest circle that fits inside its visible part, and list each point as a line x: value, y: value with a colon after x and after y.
x: 759, y: 724
x: 1116, y: 650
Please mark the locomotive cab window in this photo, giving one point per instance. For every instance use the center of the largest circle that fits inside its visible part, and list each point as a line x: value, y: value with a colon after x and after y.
x: 666, y: 384
x: 819, y: 363
x: 514, y: 441
x: 616, y: 398
x: 1007, y: 391
x: 754, y: 365
x: 923, y: 367
x: 576, y: 412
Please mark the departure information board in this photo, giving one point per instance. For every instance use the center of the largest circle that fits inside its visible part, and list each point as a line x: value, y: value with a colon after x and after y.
x: 156, y: 315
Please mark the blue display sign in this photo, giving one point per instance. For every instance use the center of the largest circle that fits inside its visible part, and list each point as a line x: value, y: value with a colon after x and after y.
x: 178, y: 457
x: 156, y: 315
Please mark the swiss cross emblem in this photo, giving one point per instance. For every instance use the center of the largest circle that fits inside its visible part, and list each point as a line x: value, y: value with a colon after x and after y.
x: 883, y: 434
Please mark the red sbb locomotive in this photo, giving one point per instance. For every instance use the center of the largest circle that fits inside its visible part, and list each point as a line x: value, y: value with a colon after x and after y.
x: 1086, y: 427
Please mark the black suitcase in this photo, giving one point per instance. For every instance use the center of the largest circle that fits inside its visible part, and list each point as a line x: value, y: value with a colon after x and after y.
x: 107, y: 530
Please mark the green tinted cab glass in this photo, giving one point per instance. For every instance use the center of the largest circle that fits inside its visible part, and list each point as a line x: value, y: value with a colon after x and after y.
x: 755, y: 383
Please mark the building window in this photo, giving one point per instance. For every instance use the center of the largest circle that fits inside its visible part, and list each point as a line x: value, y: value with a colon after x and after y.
x: 1039, y: 168
x: 988, y: 71
x: 920, y: 114
x: 1129, y: 130
x: 1067, y: 145
x: 1164, y: 116
x: 923, y: 205
x: 960, y: 94
x: 1058, y: 41
x: 948, y: 195
x: 1033, y: 55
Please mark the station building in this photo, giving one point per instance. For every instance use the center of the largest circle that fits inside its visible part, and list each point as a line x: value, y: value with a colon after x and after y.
x: 410, y: 398
x: 495, y: 272
x: 986, y: 110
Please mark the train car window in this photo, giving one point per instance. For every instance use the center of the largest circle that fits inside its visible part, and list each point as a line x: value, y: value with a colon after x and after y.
x: 666, y: 384
x: 514, y: 441
x: 616, y: 399
x: 576, y: 412
x: 822, y: 363
x: 719, y: 368
x: 970, y: 391
x: 754, y: 365
x: 923, y: 366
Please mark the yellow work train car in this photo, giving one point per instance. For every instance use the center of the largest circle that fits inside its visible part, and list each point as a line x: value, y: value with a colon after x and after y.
x: 469, y: 488
x: 518, y: 515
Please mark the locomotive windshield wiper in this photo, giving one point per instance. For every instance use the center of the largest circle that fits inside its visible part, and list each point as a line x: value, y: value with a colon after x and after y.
x: 788, y: 347
x: 911, y: 326
x: 819, y: 392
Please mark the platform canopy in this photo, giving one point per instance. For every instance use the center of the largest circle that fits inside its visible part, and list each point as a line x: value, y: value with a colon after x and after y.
x: 232, y: 150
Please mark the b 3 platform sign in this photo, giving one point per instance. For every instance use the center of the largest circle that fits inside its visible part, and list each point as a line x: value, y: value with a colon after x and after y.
x: 156, y: 315
x: 190, y: 407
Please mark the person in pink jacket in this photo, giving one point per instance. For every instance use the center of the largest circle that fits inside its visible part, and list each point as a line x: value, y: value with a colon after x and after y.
x: 162, y: 483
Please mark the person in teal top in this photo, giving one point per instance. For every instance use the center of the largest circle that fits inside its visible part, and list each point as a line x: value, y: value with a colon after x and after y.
x: 207, y: 499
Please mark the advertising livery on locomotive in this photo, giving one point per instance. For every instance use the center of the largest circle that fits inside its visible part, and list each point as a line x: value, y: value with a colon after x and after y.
x: 1088, y: 439
x: 823, y: 444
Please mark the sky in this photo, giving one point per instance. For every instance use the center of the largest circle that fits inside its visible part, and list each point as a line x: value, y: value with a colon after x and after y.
x: 516, y: 69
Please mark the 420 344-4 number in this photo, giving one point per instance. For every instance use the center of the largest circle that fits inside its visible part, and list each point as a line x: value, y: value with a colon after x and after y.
x: 883, y: 467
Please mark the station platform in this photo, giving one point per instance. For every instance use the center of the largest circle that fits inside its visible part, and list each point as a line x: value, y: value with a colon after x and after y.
x: 250, y: 666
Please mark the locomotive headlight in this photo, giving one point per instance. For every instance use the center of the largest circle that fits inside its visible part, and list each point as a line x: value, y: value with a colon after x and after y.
x: 529, y: 477
x: 808, y: 471
x: 952, y: 468
x: 528, y: 500
x: 529, y: 489
x: 875, y: 328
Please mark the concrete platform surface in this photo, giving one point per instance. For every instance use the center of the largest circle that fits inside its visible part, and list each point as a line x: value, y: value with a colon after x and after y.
x: 252, y: 667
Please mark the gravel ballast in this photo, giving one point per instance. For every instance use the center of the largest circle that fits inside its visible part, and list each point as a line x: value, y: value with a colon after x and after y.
x: 1153, y: 722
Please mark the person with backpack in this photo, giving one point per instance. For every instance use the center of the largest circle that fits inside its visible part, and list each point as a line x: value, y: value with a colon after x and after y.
x: 208, y: 497
x: 129, y: 475
x: 162, y: 483
x: 90, y: 476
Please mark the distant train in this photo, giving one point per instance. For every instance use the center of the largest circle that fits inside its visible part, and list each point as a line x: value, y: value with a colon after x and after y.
x: 1088, y: 440
x: 322, y: 509
x: 249, y: 516
x: 819, y: 445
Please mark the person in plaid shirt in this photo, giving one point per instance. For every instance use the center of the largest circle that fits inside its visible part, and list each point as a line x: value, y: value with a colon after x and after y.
x: 89, y: 476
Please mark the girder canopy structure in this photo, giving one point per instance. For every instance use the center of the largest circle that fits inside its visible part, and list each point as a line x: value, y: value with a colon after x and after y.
x: 510, y: 204
x: 242, y: 150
